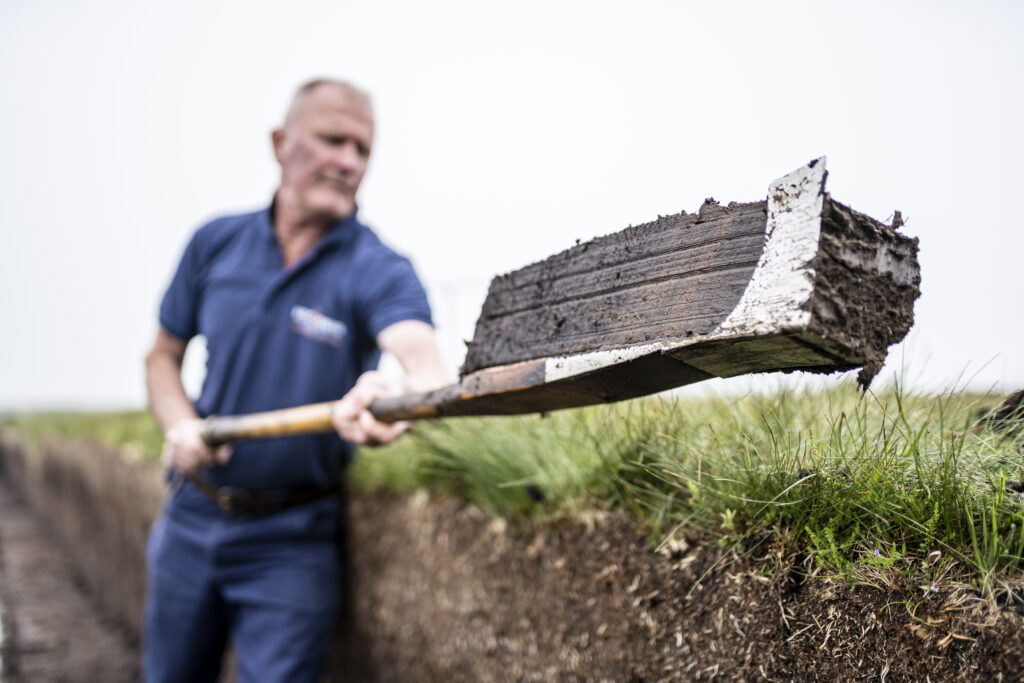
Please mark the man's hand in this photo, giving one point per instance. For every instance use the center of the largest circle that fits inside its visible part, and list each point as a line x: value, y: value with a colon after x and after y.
x: 413, y: 343
x: 355, y: 423
x: 185, y: 450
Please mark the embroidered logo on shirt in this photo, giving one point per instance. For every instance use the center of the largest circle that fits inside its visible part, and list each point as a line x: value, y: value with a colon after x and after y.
x: 313, y: 324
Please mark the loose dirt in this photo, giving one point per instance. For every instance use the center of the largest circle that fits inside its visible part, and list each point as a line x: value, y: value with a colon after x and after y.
x: 56, y: 633
x: 866, y: 282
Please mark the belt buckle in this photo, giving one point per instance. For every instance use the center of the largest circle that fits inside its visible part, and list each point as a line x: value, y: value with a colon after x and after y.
x: 231, y: 500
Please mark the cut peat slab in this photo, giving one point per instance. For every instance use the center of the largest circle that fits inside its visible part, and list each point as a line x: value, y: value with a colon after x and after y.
x: 795, y: 282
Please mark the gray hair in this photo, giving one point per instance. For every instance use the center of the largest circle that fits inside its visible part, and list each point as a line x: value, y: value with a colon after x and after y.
x: 311, y: 85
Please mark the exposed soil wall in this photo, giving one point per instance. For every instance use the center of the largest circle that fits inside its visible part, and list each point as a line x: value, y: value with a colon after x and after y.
x: 455, y: 595
x: 441, y: 591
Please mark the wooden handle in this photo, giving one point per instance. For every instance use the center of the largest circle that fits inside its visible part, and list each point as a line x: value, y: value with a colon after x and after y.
x: 315, y: 418
x: 505, y: 390
x: 421, y: 406
x: 308, y: 419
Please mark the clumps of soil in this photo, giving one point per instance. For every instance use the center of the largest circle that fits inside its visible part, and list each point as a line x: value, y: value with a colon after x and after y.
x: 1007, y: 417
x: 444, y: 592
x: 1010, y: 409
x: 867, y: 279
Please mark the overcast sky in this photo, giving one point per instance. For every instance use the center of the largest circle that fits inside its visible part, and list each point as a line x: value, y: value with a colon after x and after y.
x: 505, y: 133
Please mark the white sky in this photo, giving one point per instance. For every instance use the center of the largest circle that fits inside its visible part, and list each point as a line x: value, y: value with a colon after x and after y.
x: 504, y: 134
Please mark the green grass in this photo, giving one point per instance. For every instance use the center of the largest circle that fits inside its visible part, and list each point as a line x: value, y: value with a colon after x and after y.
x: 886, y: 487
x: 875, y: 486
x: 134, y: 431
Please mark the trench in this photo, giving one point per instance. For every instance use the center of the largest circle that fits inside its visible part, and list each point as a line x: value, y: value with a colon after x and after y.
x: 52, y: 628
x: 440, y: 591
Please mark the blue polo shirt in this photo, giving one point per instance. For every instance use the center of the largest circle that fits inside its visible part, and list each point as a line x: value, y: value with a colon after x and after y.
x: 279, y: 337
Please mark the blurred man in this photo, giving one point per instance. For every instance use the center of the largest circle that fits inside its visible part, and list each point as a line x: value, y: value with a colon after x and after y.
x: 296, y: 302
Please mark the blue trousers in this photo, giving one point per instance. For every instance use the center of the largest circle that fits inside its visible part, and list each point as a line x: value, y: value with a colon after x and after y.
x: 268, y: 584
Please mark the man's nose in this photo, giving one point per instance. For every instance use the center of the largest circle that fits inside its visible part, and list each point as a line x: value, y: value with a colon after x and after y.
x: 348, y: 158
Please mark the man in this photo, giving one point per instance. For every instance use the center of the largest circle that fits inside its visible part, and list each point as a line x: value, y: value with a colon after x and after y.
x: 295, y: 302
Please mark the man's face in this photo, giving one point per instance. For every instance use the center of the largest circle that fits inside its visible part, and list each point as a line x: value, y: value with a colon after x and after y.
x: 323, y: 149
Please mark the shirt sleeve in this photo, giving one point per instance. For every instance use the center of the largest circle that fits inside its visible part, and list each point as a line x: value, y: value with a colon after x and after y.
x: 178, y: 310
x: 395, y: 294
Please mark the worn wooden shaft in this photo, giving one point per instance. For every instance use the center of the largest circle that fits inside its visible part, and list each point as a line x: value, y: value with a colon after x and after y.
x: 307, y: 419
x: 315, y: 418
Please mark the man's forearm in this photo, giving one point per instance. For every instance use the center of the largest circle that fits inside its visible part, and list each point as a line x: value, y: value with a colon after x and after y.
x: 167, y: 399
x: 415, y: 346
x: 185, y: 449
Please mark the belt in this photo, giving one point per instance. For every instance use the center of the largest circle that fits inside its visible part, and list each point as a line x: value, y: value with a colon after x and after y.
x: 236, y: 501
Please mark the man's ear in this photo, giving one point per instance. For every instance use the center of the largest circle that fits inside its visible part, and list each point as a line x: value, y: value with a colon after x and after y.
x: 277, y: 141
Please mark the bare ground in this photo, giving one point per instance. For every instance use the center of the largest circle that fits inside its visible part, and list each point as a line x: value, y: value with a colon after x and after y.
x: 56, y: 632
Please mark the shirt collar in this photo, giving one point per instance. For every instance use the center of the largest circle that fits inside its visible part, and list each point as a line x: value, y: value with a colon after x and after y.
x: 342, y: 231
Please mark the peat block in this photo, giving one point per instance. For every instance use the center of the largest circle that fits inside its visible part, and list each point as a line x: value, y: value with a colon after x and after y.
x: 795, y: 282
